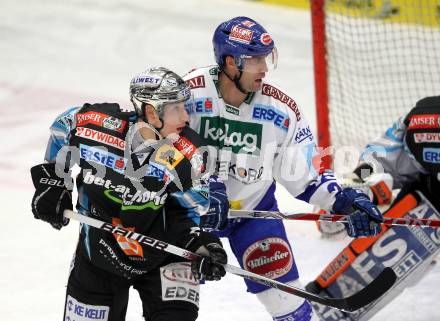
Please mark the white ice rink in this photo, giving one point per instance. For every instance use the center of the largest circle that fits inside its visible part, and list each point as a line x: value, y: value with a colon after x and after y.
x: 57, y: 53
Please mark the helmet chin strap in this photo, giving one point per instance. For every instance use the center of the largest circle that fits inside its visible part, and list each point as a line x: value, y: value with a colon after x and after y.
x: 156, y: 129
x: 236, y: 81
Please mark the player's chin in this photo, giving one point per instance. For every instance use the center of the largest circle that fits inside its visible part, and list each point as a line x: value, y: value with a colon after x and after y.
x: 258, y: 83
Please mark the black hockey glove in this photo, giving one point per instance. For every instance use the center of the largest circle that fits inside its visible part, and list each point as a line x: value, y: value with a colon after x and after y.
x: 210, y: 265
x: 51, y: 196
x: 364, y: 217
x: 217, y: 216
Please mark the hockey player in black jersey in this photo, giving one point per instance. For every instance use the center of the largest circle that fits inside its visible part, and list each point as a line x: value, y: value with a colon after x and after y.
x: 144, y: 170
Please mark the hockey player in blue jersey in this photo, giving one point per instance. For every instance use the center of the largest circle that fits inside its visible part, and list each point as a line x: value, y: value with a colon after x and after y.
x: 262, y: 138
x: 408, y: 155
x: 142, y: 170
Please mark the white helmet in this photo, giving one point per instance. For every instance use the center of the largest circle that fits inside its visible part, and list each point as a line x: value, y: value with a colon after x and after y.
x: 157, y: 86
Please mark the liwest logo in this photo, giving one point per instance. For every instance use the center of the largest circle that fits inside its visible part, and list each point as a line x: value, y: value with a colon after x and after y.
x: 431, y: 155
x: 200, y: 105
x: 240, y: 136
x: 268, y: 113
x: 99, y: 156
x: 100, y: 137
x: 268, y: 90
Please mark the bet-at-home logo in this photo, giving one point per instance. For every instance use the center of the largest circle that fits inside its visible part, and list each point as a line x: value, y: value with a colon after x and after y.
x: 241, y: 137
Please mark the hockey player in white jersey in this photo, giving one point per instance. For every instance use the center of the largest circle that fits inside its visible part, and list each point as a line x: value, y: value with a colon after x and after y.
x: 261, y: 137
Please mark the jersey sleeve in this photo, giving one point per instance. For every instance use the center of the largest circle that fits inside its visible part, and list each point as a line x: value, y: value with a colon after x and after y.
x: 296, y: 167
x: 60, y: 133
x: 388, y: 153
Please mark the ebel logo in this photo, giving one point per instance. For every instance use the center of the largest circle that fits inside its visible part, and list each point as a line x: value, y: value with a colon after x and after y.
x: 431, y: 155
x: 268, y: 113
x: 242, y: 137
x: 99, y: 156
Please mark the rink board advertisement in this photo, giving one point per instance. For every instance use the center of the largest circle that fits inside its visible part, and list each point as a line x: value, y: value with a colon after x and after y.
x: 408, y: 250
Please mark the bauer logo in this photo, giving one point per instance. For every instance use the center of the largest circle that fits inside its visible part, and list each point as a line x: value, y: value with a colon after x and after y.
x: 99, y: 156
x: 431, y: 155
x: 241, y: 137
x: 270, y: 257
x: 268, y: 113
x: 77, y: 311
x: 100, y: 137
x: 268, y: 90
x: 240, y: 34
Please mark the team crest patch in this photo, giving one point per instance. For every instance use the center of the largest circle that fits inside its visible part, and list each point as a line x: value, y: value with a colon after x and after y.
x: 168, y: 156
x: 269, y: 257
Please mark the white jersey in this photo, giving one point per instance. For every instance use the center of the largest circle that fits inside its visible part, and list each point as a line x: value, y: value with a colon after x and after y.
x: 266, y: 138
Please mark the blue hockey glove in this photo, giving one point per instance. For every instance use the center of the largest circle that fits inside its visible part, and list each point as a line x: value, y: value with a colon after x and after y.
x: 364, y: 217
x: 217, y: 216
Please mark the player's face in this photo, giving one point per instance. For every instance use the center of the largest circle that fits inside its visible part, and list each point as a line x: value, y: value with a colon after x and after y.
x: 175, y: 118
x: 254, y: 71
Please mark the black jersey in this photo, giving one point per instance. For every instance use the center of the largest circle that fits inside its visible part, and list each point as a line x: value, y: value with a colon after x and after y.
x: 157, y: 189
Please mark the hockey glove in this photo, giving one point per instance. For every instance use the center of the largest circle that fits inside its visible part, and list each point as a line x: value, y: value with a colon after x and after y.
x: 217, y: 216
x: 51, y: 196
x: 210, y: 265
x: 364, y: 217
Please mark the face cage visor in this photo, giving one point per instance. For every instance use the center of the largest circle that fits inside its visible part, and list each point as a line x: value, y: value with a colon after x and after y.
x: 256, y: 64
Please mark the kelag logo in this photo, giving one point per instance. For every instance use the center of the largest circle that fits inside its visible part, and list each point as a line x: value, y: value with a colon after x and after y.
x: 268, y: 113
x: 431, y: 155
x: 102, y: 157
x: 240, y: 136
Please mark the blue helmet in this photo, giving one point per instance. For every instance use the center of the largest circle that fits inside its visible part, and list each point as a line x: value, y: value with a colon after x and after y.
x: 242, y: 37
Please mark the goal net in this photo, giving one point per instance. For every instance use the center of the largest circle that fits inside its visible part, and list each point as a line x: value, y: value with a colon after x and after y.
x: 373, y: 61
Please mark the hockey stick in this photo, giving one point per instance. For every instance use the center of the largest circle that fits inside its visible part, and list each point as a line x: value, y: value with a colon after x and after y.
x: 403, y: 221
x: 371, y: 292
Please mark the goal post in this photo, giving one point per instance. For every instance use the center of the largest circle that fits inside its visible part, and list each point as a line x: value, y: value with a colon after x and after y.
x: 372, y: 61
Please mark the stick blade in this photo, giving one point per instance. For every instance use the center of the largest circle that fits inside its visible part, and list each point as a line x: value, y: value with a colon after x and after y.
x: 373, y: 291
